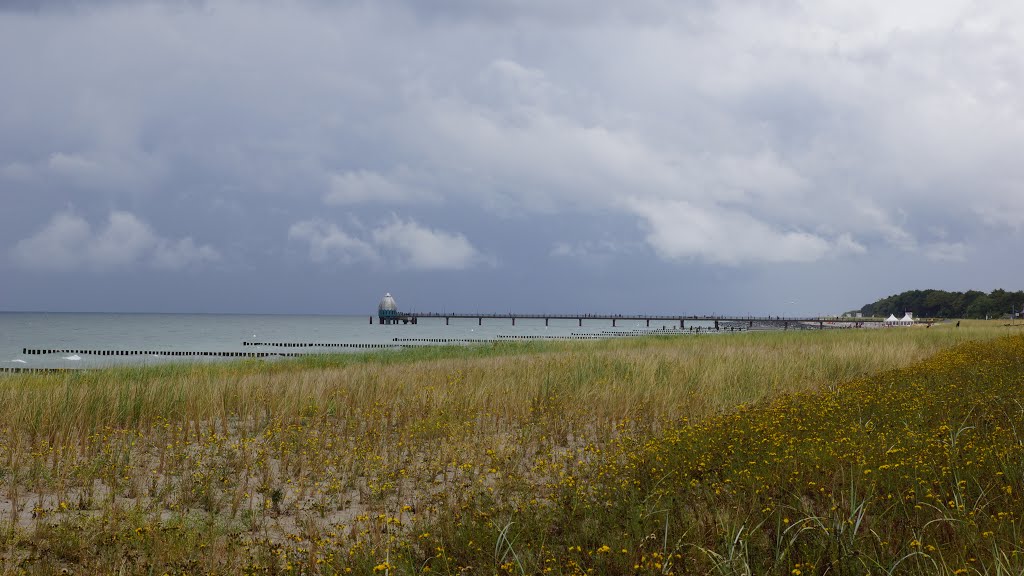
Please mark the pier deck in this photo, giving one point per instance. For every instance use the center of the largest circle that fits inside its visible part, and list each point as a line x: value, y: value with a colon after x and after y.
x: 615, y: 318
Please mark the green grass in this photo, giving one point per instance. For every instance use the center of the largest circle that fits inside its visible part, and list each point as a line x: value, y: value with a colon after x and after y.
x: 524, y: 458
x: 911, y: 471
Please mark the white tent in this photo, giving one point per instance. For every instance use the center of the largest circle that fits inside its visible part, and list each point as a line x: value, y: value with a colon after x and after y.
x: 907, y: 320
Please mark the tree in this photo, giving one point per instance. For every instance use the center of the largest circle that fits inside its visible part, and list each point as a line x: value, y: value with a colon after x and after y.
x: 943, y: 304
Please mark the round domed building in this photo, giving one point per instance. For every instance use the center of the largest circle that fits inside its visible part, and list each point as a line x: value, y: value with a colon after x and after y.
x: 388, y: 313
x: 387, y: 307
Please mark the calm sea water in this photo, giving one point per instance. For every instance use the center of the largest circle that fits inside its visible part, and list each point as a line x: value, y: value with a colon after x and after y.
x: 227, y: 332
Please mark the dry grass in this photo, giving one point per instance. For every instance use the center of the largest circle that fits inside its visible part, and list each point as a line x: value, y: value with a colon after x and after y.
x: 654, y: 377
x: 315, y: 456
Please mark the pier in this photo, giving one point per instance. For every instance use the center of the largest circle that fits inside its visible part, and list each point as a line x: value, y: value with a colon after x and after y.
x: 388, y: 313
x: 782, y: 321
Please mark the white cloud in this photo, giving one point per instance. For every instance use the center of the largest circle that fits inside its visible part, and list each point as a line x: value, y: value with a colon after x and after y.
x: 789, y: 131
x: 1007, y: 212
x: 518, y: 85
x: 870, y: 217
x: 71, y: 164
x: 946, y: 252
x: 329, y: 242
x: 366, y: 187
x: 426, y: 248
x: 845, y: 244
x: 123, y: 241
x: 761, y: 174
x: 173, y: 255
x: 68, y: 242
x: 591, y: 252
x: 402, y: 243
x: 680, y: 230
x: 538, y: 160
x: 60, y: 245
x: 16, y: 171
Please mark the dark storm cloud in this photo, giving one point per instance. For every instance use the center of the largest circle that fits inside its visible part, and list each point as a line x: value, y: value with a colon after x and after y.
x: 367, y: 143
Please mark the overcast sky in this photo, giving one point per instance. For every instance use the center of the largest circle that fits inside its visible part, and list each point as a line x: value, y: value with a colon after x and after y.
x: 767, y: 157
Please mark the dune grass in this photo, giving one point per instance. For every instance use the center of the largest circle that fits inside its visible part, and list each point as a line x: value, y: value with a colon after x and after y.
x: 520, y: 458
x: 667, y: 377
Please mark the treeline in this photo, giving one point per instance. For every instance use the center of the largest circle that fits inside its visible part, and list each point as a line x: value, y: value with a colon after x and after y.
x: 942, y: 304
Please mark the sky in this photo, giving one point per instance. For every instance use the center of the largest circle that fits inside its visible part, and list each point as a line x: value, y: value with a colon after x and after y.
x: 672, y: 157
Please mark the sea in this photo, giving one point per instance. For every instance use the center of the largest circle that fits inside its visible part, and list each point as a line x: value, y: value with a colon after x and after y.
x: 85, y: 340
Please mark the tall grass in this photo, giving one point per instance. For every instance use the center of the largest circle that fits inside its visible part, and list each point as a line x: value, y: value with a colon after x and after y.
x: 667, y: 377
x: 911, y: 471
x: 504, y: 457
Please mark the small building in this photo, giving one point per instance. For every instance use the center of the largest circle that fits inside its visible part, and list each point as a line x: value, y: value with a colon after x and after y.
x: 387, y: 310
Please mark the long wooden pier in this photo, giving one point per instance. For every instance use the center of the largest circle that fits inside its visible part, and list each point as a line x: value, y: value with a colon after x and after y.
x: 615, y: 318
